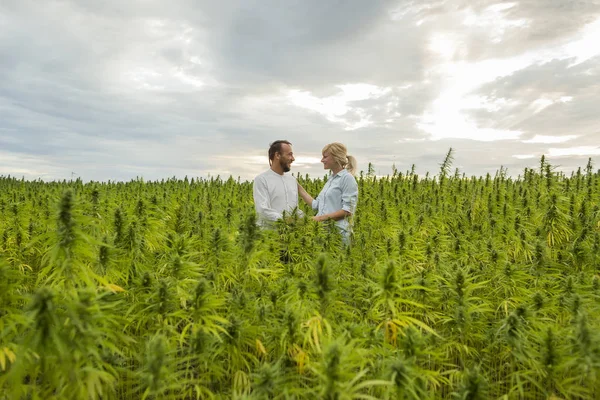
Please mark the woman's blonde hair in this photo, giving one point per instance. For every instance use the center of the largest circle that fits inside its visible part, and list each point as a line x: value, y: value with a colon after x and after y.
x: 340, y: 154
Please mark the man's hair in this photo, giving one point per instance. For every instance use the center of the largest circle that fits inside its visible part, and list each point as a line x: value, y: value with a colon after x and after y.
x: 275, y: 147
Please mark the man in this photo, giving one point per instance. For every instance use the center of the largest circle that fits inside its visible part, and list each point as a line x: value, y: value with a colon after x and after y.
x: 274, y: 190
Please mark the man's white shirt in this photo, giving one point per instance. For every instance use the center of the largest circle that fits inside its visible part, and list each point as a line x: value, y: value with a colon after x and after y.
x: 274, y: 194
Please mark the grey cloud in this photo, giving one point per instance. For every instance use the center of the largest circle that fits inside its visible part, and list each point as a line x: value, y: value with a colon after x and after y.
x: 553, y: 81
x: 555, y: 18
x: 294, y: 42
x: 554, y: 76
x: 310, y: 43
x: 68, y: 104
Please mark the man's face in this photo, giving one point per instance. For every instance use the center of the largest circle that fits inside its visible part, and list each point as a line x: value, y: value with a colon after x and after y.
x: 286, y: 157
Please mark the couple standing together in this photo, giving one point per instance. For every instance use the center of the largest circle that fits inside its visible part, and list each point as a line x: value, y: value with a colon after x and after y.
x: 276, y: 192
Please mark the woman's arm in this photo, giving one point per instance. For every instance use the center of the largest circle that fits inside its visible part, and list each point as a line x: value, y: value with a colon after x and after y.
x: 349, y: 200
x: 305, y: 196
x: 336, y: 216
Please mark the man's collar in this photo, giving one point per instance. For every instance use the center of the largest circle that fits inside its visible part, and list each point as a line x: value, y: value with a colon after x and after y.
x: 276, y: 173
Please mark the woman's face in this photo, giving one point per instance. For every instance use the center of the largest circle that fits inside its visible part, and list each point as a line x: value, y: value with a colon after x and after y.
x: 328, y: 161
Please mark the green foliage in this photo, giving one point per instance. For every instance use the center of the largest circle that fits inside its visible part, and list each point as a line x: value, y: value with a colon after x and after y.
x: 454, y: 287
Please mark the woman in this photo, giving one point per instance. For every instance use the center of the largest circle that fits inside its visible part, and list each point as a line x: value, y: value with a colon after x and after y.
x: 337, y: 200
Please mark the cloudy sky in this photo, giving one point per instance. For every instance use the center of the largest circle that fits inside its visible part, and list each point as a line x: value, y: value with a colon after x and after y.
x: 117, y: 89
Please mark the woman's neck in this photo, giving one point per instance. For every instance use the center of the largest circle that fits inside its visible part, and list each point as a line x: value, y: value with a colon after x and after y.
x: 336, y: 170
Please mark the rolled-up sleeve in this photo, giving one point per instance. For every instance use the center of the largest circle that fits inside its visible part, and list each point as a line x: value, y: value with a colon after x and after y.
x: 349, y: 194
x: 316, y: 202
x: 262, y: 204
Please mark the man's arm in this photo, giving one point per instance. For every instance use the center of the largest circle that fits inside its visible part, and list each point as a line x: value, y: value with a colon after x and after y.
x: 262, y: 202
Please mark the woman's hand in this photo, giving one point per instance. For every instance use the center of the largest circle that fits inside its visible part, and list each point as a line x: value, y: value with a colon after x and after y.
x: 338, y: 215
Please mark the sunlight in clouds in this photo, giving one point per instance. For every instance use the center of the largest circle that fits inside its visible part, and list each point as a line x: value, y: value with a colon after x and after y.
x: 443, y: 44
x: 487, y: 104
x: 587, y: 46
x: 445, y: 117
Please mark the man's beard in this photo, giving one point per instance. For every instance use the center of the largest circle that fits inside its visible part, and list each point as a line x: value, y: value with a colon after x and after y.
x: 284, y: 166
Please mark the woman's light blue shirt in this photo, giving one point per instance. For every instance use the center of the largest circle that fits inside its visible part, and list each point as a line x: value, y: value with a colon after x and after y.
x: 339, y: 193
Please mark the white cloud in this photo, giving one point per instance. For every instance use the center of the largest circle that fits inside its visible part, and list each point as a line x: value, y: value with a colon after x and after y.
x: 335, y: 107
x: 550, y: 139
x: 574, y: 151
x: 544, y: 102
x: 492, y: 20
x: 466, y: 130
x: 411, y: 140
x: 30, y: 167
x: 361, y: 91
x: 540, y: 104
x: 302, y: 160
x: 475, y: 102
x: 524, y: 156
x: 142, y: 78
x: 188, y: 79
x: 261, y: 160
